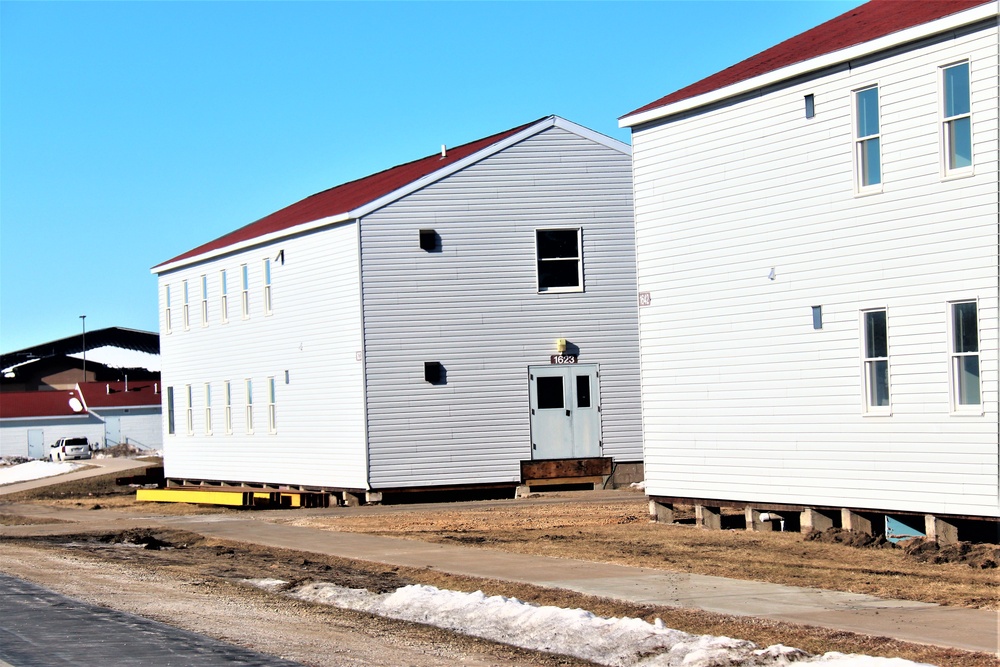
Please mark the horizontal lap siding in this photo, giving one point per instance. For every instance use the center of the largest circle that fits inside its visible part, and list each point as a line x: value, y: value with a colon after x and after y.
x: 474, y: 308
x: 314, y: 333
x: 14, y: 432
x: 742, y: 399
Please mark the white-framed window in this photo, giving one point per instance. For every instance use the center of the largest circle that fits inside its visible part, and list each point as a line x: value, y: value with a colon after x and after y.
x: 249, y: 404
x: 208, y: 409
x: 224, y: 317
x: 166, y: 311
x: 189, y: 413
x: 956, y: 125
x: 966, y: 387
x: 228, y: 392
x: 272, y: 423
x: 559, y: 260
x: 267, y: 286
x: 171, y: 424
x: 867, y: 140
x: 876, y: 360
x: 204, y: 301
x: 246, y: 291
x: 185, y: 313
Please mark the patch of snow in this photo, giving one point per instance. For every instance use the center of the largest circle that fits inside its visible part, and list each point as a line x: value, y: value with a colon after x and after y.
x: 616, y: 642
x: 641, y: 486
x: 35, y: 470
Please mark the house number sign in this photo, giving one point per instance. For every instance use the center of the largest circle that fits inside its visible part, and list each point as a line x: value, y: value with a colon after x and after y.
x: 563, y: 359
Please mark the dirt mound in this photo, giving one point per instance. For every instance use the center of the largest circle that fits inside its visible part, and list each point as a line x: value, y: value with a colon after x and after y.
x: 981, y: 556
x: 850, y: 538
x: 148, y: 539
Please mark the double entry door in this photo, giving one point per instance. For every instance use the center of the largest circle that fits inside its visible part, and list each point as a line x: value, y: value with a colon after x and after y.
x: 565, y: 411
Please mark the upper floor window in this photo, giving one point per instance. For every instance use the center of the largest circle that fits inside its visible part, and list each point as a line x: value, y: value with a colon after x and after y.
x: 876, y: 361
x: 204, y: 301
x: 868, y: 154
x: 965, y: 384
x: 957, y: 124
x: 246, y: 291
x: 267, y: 286
x: 166, y: 311
x: 249, y: 406
x: 560, y: 262
x: 224, y: 317
x: 186, y: 316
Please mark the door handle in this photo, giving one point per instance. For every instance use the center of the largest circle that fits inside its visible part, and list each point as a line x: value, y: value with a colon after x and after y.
x: 567, y: 413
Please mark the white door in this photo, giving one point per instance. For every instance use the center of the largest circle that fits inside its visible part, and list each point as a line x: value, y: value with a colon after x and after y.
x: 36, y: 444
x: 112, y: 430
x: 565, y: 411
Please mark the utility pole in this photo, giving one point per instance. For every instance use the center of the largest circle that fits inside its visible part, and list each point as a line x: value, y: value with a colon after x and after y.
x: 83, y: 320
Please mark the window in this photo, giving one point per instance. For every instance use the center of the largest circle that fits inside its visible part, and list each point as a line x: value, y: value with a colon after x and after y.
x: 817, y: 317
x: 246, y: 291
x: 170, y: 411
x: 876, y: 361
x: 550, y: 392
x: 868, y: 153
x: 560, y: 268
x: 229, y: 407
x: 208, y: 409
x: 249, y: 390
x: 267, y: 286
x: 189, y: 413
x: 166, y: 312
x: 966, y: 395
x: 583, y: 391
x: 957, y: 127
x: 204, y: 301
x: 225, y: 297
x: 810, y: 106
x: 272, y: 424
x: 186, y: 314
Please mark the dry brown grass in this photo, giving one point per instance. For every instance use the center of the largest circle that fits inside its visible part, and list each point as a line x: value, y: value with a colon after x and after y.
x: 620, y: 532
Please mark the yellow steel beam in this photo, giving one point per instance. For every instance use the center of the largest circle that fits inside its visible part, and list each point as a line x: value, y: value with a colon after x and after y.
x: 192, y: 496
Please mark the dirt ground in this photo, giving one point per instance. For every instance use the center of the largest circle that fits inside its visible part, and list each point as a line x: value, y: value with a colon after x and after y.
x: 198, y: 584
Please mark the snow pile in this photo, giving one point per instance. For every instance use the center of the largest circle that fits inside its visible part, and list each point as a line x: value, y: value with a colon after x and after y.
x: 640, y: 486
x: 616, y: 642
x: 35, y: 470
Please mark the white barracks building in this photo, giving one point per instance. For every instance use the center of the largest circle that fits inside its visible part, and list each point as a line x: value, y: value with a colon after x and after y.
x: 818, y: 272
x: 446, y: 323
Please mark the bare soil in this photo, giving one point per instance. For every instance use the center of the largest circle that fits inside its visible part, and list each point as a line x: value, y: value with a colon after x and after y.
x: 196, y: 583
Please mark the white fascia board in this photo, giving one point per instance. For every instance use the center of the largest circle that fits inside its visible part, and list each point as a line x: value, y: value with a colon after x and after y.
x: 453, y: 167
x: 820, y: 62
x: 255, y: 241
x: 82, y: 415
x: 594, y: 136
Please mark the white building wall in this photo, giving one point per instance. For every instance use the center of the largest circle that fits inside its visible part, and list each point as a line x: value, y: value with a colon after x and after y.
x: 14, y: 432
x: 474, y: 307
x: 742, y: 399
x: 313, y: 335
x: 140, y: 426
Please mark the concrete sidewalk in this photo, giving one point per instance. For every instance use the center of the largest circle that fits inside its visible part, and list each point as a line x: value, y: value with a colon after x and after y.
x: 919, y: 622
x: 94, y: 467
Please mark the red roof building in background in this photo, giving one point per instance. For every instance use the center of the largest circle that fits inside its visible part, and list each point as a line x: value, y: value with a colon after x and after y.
x: 34, y: 404
x: 120, y: 394
x: 868, y: 22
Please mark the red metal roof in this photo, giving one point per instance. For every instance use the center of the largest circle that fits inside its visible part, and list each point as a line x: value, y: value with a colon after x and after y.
x: 113, y: 394
x: 870, y: 21
x: 349, y: 196
x: 15, y: 404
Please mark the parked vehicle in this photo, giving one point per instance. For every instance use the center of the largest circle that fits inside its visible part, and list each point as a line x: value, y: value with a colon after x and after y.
x: 69, y: 448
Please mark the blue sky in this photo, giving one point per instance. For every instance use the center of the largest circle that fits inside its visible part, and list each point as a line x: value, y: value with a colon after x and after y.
x: 131, y: 132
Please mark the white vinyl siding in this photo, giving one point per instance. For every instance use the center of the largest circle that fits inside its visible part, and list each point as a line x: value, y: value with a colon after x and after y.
x: 315, y: 335
x: 474, y: 307
x: 742, y: 398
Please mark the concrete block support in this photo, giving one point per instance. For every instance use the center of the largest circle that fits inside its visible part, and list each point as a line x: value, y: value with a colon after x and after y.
x: 811, y: 519
x: 755, y: 523
x: 661, y: 512
x: 853, y: 521
x: 708, y: 517
x: 373, y: 497
x: 522, y: 491
x: 939, y: 530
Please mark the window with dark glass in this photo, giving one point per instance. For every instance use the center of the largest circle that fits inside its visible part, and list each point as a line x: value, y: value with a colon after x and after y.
x: 957, y: 117
x: 965, y: 355
x: 559, y: 260
x: 868, y: 138
x: 876, y: 359
x: 583, y: 391
x: 550, y: 392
